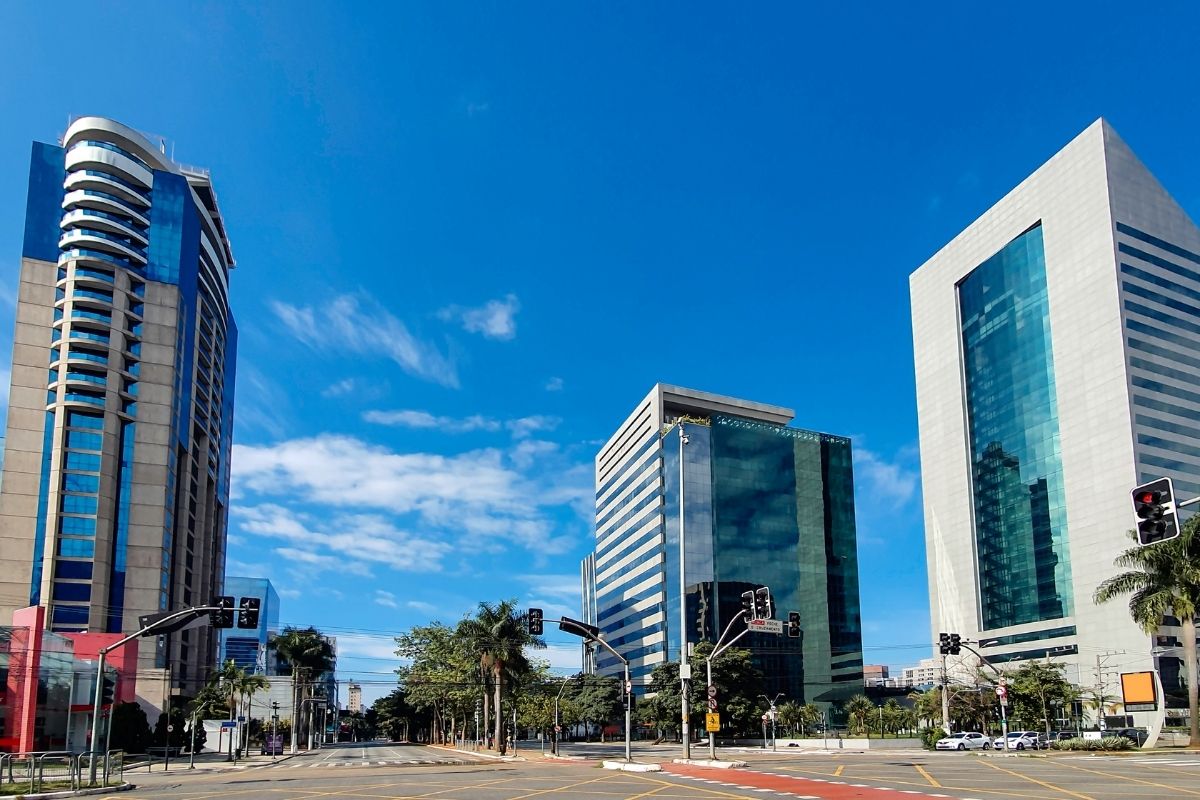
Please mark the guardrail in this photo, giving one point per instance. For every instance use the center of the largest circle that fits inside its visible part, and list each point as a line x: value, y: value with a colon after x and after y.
x: 38, y: 769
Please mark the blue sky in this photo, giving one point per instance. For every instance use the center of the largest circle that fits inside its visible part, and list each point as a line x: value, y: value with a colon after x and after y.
x: 471, y: 237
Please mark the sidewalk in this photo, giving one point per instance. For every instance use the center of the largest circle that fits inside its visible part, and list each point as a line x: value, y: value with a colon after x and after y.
x: 208, y: 762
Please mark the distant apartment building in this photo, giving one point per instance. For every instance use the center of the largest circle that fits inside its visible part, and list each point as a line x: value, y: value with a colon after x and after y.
x: 248, y: 647
x: 114, y: 496
x: 1057, y: 346
x: 764, y: 505
x: 355, y: 698
x: 875, y: 675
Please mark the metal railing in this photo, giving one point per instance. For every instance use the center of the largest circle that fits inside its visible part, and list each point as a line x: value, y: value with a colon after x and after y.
x: 36, y: 770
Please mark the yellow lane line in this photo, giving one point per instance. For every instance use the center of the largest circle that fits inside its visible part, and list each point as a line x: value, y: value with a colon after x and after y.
x: 926, y: 775
x: 688, y: 788
x: 1043, y: 784
x: 837, y: 773
x: 1129, y: 778
x: 559, y: 788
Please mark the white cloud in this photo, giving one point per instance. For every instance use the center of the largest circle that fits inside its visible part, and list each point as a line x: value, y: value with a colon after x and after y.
x: 385, y: 599
x: 339, y: 389
x: 411, y: 418
x: 554, y: 385
x: 423, y: 419
x: 421, y: 605
x: 347, y: 543
x: 361, y: 326
x: 408, y: 511
x: 883, y: 482
x: 496, y: 319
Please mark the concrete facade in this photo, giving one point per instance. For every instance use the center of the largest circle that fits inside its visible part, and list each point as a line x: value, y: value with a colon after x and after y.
x: 1123, y: 368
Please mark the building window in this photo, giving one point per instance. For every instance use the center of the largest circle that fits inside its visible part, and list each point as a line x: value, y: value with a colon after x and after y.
x: 1016, y: 466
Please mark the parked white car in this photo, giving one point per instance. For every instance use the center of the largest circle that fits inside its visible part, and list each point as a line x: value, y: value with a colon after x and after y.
x: 1020, y: 740
x: 968, y: 740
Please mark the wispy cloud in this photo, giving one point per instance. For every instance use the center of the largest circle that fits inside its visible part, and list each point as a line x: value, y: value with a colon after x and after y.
x: 554, y: 385
x: 359, y: 645
x: 520, y: 428
x: 339, y: 327
x: 890, y: 483
x: 342, y: 387
x: 385, y: 599
x: 495, y: 319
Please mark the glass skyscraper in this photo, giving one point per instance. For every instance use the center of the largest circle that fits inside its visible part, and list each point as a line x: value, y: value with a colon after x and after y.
x: 116, y: 476
x: 1057, y: 367
x: 764, y: 505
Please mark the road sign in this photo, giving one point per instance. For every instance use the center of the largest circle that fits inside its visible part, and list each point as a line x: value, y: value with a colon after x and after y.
x: 712, y: 722
x: 765, y: 626
x: 558, y: 728
x: 170, y: 729
x: 712, y: 690
x: 228, y: 723
x: 1001, y: 692
x: 241, y: 719
x: 712, y: 704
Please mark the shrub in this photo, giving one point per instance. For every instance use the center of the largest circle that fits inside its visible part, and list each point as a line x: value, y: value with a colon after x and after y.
x: 929, y: 737
x: 1107, y: 743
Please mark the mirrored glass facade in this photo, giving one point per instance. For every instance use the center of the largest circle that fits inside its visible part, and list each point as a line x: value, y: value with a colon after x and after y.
x: 1016, y: 467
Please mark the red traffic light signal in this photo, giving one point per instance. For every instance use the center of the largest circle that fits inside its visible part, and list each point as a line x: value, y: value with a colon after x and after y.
x: 1154, y: 507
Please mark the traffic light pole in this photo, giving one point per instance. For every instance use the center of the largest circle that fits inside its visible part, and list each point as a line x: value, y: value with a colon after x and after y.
x: 685, y: 668
x: 103, y: 653
x: 721, y: 648
x: 575, y: 627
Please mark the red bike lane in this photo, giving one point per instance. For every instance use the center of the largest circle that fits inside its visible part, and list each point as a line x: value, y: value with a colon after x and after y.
x: 813, y: 788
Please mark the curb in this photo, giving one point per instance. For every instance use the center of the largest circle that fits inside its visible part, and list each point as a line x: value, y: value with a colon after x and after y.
x: 477, y: 754
x: 704, y: 762
x: 124, y: 787
x: 630, y: 766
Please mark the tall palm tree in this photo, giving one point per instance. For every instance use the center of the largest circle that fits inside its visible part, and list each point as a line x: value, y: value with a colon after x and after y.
x: 1164, y: 578
x: 497, y: 633
x: 309, y: 654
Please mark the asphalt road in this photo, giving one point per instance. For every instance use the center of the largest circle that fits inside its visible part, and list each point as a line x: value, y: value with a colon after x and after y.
x: 383, y: 772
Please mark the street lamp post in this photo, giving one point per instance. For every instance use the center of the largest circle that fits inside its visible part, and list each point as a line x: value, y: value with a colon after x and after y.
x: 685, y: 669
x: 771, y: 713
x: 561, y: 689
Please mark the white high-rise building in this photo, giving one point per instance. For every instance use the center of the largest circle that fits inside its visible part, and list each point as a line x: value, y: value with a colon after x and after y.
x: 1058, y: 365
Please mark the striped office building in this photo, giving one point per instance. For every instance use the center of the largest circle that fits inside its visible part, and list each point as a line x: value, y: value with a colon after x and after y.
x: 765, y: 504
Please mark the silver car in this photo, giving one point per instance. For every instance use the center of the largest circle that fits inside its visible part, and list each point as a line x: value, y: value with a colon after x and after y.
x: 968, y: 740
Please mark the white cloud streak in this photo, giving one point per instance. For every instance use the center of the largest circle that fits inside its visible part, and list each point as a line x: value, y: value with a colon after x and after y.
x: 361, y: 326
x: 520, y: 428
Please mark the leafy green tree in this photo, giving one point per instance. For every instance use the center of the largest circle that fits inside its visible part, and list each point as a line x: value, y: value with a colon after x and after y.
x: 130, y: 729
x: 598, y: 701
x: 497, y: 633
x: 928, y: 705
x: 790, y: 717
x: 441, y: 676
x: 1161, y: 579
x: 894, y: 717
x: 1035, y: 688
x: 738, y: 684
x: 394, y: 715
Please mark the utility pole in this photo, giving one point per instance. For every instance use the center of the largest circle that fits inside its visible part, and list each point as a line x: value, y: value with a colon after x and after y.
x: 685, y: 668
x: 945, y: 697
x: 1101, y: 663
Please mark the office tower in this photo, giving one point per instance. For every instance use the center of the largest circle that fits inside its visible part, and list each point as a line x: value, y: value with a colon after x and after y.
x: 764, y: 505
x: 247, y: 647
x: 1057, y: 367
x: 355, y: 699
x: 116, y: 477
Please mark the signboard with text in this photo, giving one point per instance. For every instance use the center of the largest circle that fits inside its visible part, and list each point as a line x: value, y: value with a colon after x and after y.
x: 765, y: 626
x: 712, y: 722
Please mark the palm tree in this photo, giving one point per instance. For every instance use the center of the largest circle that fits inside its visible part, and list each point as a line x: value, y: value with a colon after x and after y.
x: 497, y: 633
x: 1164, y: 578
x: 309, y: 654
x: 859, y: 709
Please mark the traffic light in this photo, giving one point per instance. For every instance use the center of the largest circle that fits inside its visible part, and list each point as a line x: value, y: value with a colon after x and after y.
x: 248, y: 612
x: 944, y: 643
x: 1154, y: 505
x: 578, y: 628
x: 748, y: 605
x: 108, y: 688
x: 793, y: 624
x: 955, y: 644
x: 223, y: 616
x: 535, y: 621
x: 763, y: 607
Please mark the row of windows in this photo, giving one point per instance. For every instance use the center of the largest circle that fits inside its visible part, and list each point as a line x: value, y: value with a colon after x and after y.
x: 1158, y: 280
x: 109, y: 146
x: 633, y: 465
x: 603, y: 593
x: 73, y: 482
x: 1169, y: 266
x: 605, y: 560
x: 652, y: 501
x: 1161, y: 244
x: 1166, y: 388
x: 73, y: 592
x: 1161, y: 424
x: 77, y: 548
x: 1154, y: 350
x: 1162, y: 299
x: 613, y: 508
x: 79, y: 504
x: 77, y: 526
x: 1165, y: 371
